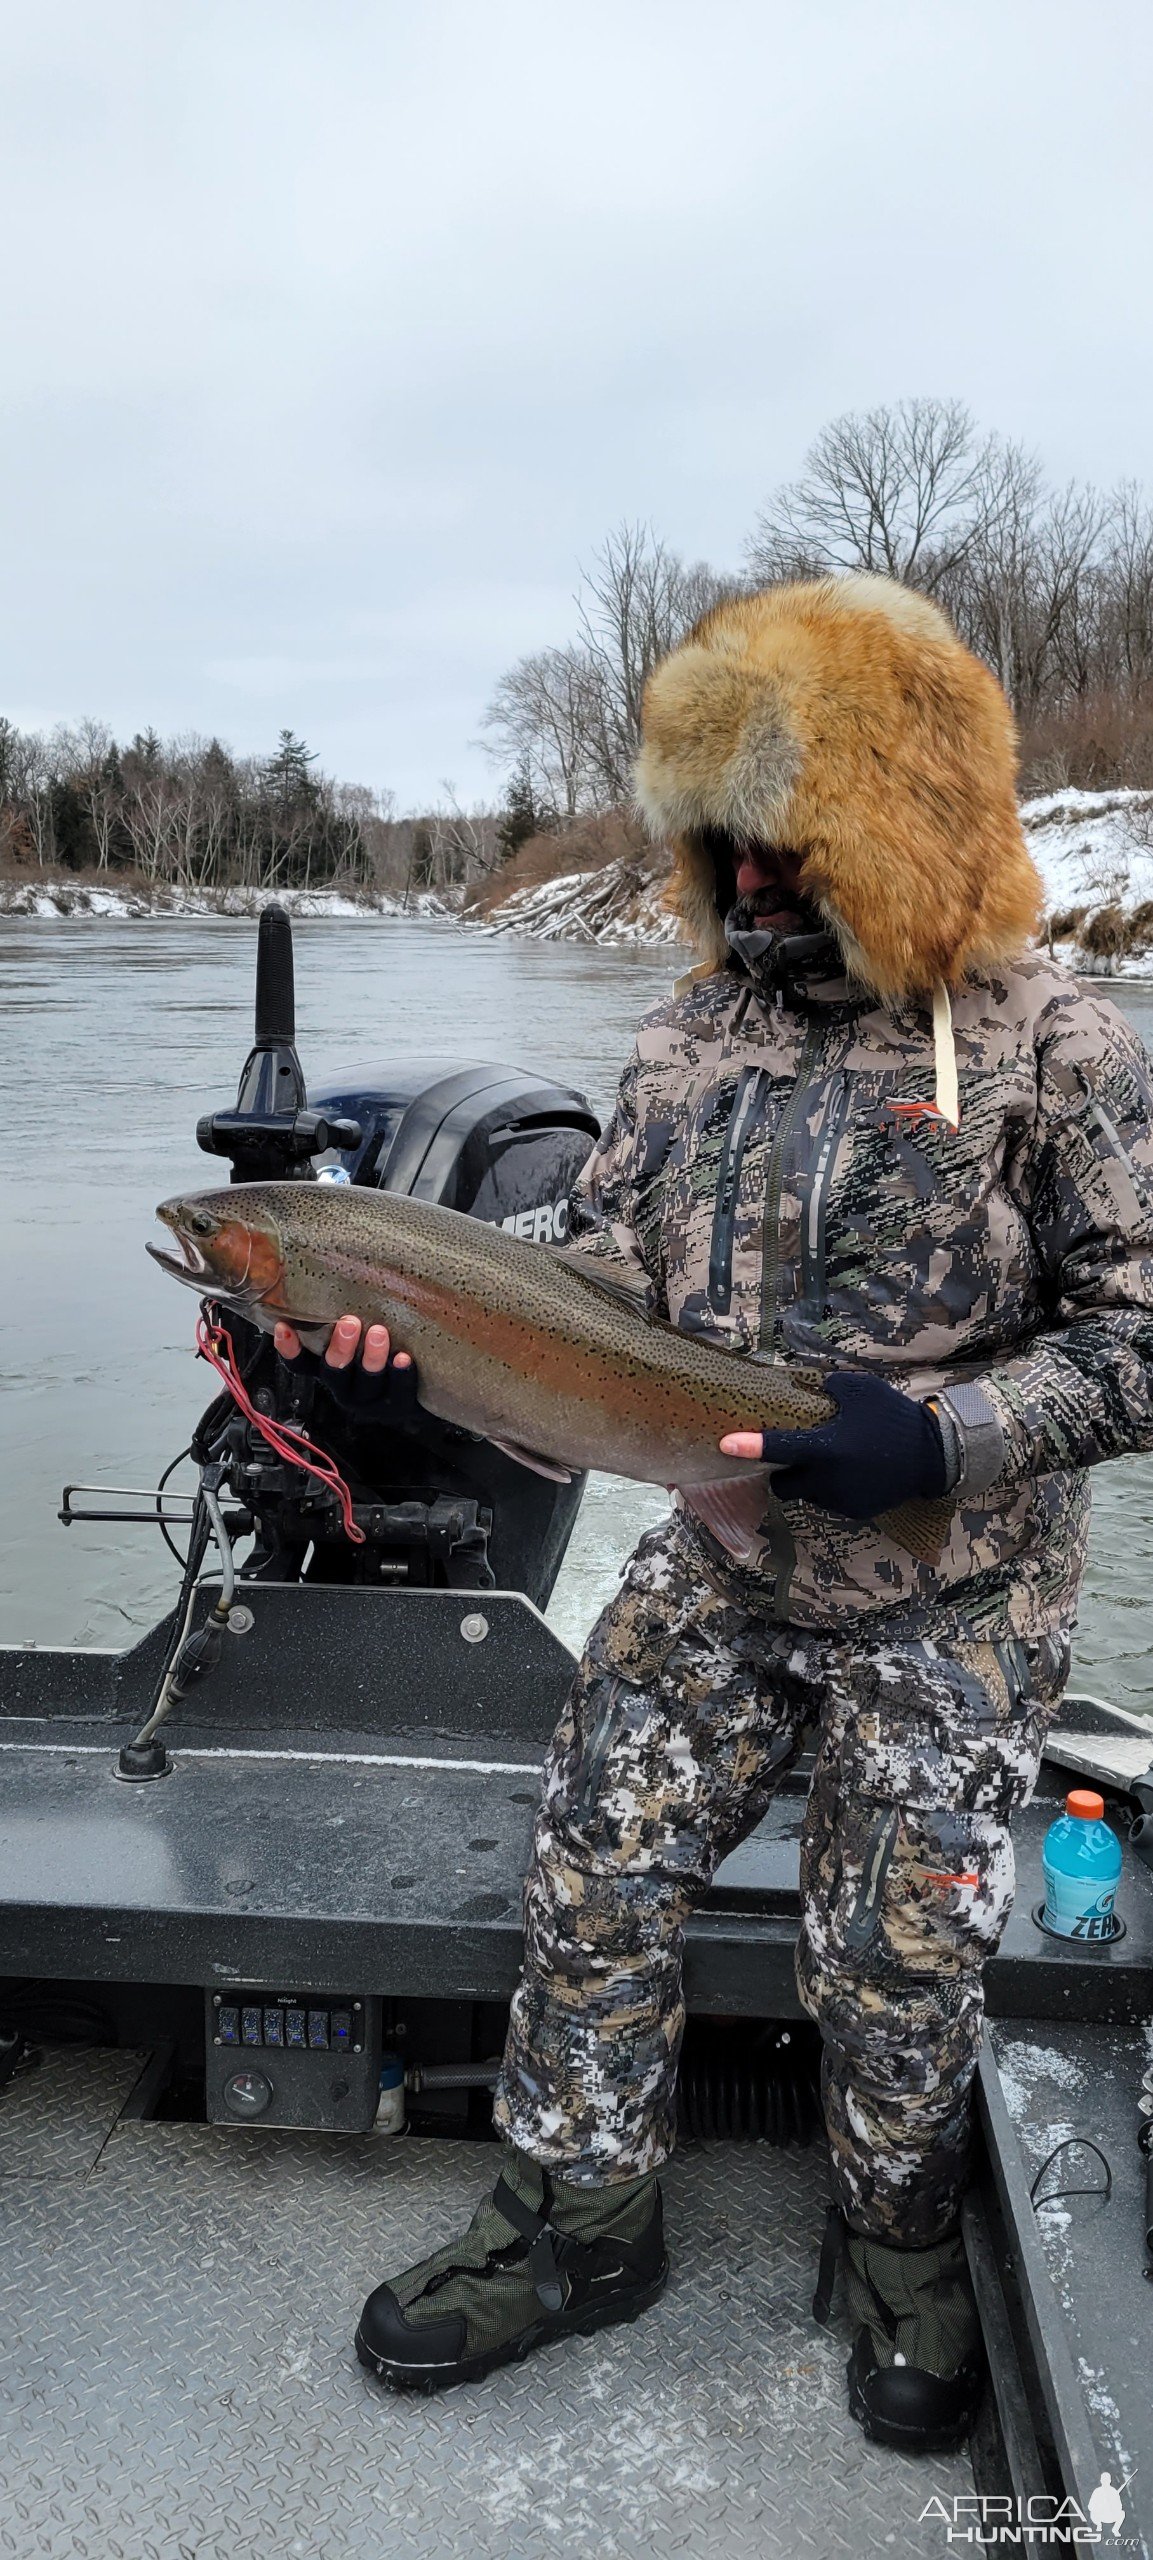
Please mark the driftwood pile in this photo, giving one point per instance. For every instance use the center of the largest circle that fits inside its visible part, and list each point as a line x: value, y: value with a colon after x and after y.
x: 621, y: 902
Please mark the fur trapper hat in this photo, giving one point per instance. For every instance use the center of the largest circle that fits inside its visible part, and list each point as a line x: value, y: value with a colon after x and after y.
x: 844, y: 719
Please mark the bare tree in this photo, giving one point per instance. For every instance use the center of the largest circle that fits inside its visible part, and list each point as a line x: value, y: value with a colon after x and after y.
x: 462, y: 842
x: 544, y: 718
x: 39, y: 804
x: 24, y: 795
x: 985, y: 587
x: 569, y: 718
x: 98, y: 780
x: 1025, y: 592
x: 896, y: 490
x: 1127, y: 587
x: 13, y: 769
x: 147, y: 814
x: 636, y: 601
x: 84, y: 760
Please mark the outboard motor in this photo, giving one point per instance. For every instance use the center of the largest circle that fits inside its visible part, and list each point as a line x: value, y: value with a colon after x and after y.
x: 491, y: 1141
x: 437, y: 1505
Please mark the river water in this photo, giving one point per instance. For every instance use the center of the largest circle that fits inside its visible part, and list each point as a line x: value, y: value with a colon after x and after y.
x: 116, y: 1035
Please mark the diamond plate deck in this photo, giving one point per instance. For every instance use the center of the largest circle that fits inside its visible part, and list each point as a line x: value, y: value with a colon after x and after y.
x: 180, y: 2379
x: 56, y: 2116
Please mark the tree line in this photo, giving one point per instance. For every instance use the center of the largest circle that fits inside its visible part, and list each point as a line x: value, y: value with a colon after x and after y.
x: 1053, y: 587
x: 184, y: 813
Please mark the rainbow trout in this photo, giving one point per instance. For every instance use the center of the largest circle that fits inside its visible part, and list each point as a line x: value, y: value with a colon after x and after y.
x: 535, y: 1347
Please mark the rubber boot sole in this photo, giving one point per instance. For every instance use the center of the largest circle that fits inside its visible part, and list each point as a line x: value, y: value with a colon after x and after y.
x: 580, y: 2322
x: 899, y: 2439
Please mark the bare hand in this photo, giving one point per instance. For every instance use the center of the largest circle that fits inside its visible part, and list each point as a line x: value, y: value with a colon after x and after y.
x: 742, y: 1444
x: 342, y: 1346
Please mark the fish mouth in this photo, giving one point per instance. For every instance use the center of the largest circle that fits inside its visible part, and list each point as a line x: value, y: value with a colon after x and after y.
x: 195, y: 1269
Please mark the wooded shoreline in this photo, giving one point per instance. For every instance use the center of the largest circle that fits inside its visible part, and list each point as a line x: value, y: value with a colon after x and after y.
x: 1094, y: 850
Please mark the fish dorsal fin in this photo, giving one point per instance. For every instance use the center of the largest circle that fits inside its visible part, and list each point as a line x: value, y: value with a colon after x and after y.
x: 632, y: 1294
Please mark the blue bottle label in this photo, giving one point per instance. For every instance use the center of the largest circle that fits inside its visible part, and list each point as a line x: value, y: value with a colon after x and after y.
x: 1070, y: 1915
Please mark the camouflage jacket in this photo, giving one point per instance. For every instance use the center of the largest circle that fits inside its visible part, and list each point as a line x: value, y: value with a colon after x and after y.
x: 761, y: 1172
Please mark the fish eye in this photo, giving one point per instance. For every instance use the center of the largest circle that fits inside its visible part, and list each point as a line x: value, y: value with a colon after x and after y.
x: 201, y: 1222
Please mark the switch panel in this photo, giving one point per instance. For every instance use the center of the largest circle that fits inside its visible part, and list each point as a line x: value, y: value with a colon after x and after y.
x: 310, y: 2059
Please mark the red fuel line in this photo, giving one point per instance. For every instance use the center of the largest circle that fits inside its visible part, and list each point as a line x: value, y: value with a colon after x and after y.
x: 214, y: 1343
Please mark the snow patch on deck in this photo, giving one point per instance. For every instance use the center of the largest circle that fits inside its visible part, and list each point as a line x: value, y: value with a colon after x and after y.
x: 1030, y: 2064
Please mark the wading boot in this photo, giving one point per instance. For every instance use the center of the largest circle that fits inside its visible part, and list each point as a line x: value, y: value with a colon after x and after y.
x: 917, y: 2370
x: 540, y: 2260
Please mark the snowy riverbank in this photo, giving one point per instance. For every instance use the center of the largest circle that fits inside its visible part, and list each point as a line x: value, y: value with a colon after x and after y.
x: 1094, y: 850
x: 64, y: 897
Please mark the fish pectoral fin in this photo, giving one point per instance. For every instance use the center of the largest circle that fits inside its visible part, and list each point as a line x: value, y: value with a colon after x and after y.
x: 532, y: 1458
x: 315, y: 1335
x: 733, y: 1509
x: 922, y: 1528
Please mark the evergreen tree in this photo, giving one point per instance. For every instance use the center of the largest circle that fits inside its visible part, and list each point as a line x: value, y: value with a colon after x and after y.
x: 217, y: 766
x: 286, y: 774
x: 71, y: 827
x: 420, y: 867
x: 521, y: 817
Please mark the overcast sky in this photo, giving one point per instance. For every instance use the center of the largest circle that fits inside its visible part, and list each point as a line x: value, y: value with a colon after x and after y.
x: 336, y: 333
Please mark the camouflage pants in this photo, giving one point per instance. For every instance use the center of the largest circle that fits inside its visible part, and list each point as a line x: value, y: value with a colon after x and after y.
x: 684, y: 1714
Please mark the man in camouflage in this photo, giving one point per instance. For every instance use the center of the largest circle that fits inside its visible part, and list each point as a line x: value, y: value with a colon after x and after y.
x: 877, y: 1135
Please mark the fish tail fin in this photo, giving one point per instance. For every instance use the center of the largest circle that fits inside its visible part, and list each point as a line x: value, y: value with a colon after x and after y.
x: 733, y: 1509
x: 922, y: 1528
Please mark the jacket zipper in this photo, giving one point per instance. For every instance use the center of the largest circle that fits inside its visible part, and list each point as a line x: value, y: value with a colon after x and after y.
x: 875, y: 1864
x: 1118, y: 1150
x: 774, y: 1183
x: 596, y: 1753
x: 1109, y: 1132
x: 728, y: 1186
x: 813, y: 1237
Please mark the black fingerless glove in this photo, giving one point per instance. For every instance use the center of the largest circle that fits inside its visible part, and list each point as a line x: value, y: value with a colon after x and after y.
x: 880, y: 1448
x: 363, y: 1395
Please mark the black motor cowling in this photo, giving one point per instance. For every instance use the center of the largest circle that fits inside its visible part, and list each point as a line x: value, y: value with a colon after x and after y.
x: 492, y: 1141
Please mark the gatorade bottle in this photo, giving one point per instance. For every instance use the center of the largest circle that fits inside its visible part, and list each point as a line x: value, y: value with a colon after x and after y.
x: 1081, y: 1858
x: 390, y: 2112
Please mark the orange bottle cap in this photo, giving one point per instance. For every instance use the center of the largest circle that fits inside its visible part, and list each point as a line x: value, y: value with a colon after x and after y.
x: 1082, y: 1801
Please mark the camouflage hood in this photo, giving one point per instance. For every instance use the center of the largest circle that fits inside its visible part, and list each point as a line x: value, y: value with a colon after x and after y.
x: 844, y: 719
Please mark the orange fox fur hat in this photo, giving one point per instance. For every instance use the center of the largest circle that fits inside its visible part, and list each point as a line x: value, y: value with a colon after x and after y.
x: 843, y: 718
